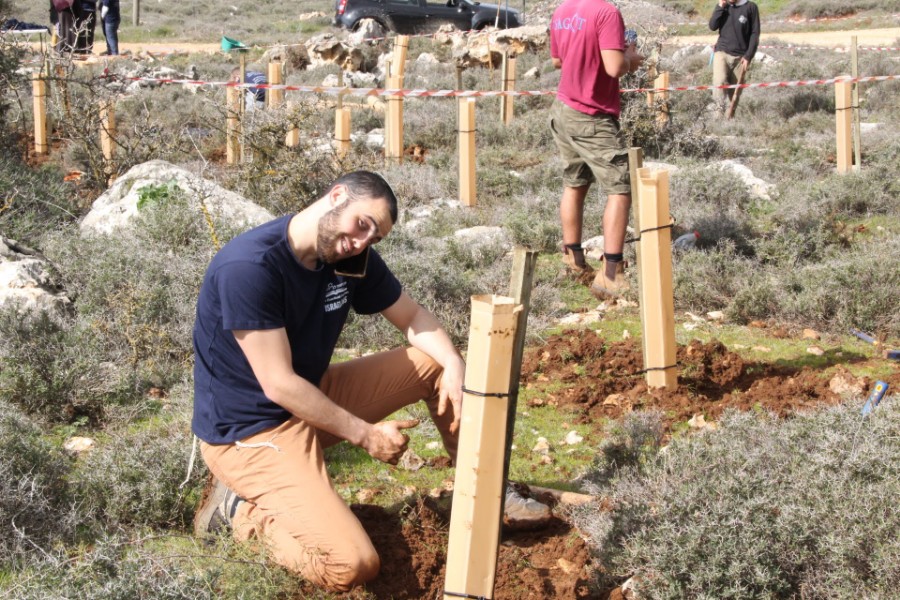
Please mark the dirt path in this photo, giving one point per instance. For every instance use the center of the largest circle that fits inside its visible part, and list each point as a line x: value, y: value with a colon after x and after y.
x: 865, y: 37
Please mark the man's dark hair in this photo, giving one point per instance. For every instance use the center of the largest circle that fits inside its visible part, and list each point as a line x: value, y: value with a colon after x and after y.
x: 365, y: 185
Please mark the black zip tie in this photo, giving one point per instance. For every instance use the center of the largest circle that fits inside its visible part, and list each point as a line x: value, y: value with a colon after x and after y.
x: 642, y: 231
x: 648, y: 369
x: 485, y: 394
x: 458, y: 595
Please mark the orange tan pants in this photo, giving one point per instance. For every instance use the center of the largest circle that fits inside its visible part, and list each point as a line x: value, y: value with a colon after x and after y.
x: 291, y: 503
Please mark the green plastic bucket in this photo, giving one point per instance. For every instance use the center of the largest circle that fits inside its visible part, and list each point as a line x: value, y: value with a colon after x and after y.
x: 229, y: 44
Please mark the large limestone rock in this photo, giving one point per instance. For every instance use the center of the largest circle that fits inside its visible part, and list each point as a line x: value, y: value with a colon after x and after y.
x: 759, y: 188
x: 118, y: 205
x: 488, y: 48
x: 325, y: 49
x: 26, y: 283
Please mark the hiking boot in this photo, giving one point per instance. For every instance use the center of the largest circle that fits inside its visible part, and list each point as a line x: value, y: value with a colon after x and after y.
x: 610, y: 280
x: 573, y: 267
x: 520, y: 513
x: 216, y: 510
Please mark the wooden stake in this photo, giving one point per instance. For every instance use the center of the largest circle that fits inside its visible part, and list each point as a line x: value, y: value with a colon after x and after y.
x: 635, y: 162
x: 662, y: 116
x: 39, y: 93
x: 108, y: 135
x: 478, y: 488
x: 136, y: 13
x: 393, y: 130
x: 520, y: 284
x: 342, y: 131
x: 398, y: 60
x: 737, y: 93
x: 467, y: 151
x: 657, y: 300
x: 842, y: 105
x: 340, y: 98
x: 233, y: 125
x: 274, y: 98
x: 854, y: 99
x: 509, y: 85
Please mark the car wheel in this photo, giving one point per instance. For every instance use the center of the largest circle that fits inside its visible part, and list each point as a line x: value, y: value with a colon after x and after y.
x: 370, y: 28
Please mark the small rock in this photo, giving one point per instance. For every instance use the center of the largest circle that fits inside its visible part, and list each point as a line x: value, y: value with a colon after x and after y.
x: 546, y: 459
x: 698, y: 421
x: 780, y: 333
x: 410, y: 461
x: 433, y: 445
x: 716, y: 315
x: 365, y: 495
x: 695, y: 318
x: 573, y: 438
x: 811, y: 334
x: 626, y: 335
x: 815, y: 350
x: 77, y: 445
x: 761, y: 349
x: 845, y: 384
x: 758, y: 324
x: 542, y: 446
x: 614, y: 400
x: 567, y: 566
x: 691, y: 326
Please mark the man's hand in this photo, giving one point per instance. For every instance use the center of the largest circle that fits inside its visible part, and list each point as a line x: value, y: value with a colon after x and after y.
x: 745, y: 63
x: 451, y: 390
x: 103, y: 11
x: 633, y: 59
x: 722, y: 3
x: 385, y: 442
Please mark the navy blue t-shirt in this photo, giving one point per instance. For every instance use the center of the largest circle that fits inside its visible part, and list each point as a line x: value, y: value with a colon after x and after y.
x: 256, y: 282
x: 258, y: 78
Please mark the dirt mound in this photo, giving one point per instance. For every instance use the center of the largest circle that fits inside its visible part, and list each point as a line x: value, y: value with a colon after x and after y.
x: 607, y: 380
x: 412, y: 543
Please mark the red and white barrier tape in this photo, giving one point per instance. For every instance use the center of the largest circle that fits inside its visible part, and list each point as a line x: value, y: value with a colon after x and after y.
x: 839, y: 49
x: 349, y: 91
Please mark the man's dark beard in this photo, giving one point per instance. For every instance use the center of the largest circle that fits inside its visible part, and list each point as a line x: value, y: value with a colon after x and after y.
x: 328, y: 234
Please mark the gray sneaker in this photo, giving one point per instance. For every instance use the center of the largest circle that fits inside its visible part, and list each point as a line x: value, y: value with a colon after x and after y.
x: 520, y: 513
x: 216, y: 511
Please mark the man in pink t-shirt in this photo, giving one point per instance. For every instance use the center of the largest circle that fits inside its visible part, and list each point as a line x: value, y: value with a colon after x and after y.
x: 587, y: 41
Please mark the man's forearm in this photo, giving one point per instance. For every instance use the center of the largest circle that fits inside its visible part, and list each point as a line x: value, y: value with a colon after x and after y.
x: 426, y: 334
x: 307, y: 402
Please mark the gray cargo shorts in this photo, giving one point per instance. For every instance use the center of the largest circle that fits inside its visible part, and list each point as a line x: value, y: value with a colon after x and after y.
x: 592, y: 147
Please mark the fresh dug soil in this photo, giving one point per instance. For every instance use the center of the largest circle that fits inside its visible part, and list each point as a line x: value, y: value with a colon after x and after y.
x: 606, y: 380
x: 550, y: 563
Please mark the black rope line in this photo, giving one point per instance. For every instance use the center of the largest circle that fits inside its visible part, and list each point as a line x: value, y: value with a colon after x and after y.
x: 643, y: 231
x: 458, y: 595
x: 486, y: 394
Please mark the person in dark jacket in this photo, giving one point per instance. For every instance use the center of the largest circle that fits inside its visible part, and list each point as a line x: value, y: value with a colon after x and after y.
x: 65, y: 20
x: 255, y: 97
x: 737, y: 22
x: 111, y: 17
x: 85, y: 27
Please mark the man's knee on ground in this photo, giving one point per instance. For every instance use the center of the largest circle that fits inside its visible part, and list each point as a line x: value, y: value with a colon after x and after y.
x: 357, y: 570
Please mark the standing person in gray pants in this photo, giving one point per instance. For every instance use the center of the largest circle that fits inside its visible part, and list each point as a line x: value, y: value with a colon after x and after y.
x: 737, y: 22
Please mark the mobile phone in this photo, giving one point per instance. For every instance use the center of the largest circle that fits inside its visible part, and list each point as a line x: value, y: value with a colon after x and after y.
x: 355, y: 266
x: 630, y: 37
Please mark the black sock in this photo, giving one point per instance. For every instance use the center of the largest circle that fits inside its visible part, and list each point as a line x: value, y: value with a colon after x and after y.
x: 611, y: 261
x: 577, y: 253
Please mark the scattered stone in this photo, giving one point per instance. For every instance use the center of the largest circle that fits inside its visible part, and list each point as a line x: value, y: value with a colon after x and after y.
x: 811, y: 334
x: 761, y: 349
x: 716, y: 315
x: 76, y: 445
x: 546, y: 459
x: 26, y: 282
x: 567, y: 566
x: 626, y: 335
x: 845, y: 383
x: 309, y: 16
x: 572, y: 438
x: 758, y: 324
x: 482, y: 237
x: 691, y: 326
x: 698, y: 421
x: 756, y: 186
x: 410, y: 461
x: 532, y: 73
x: 365, y: 495
x: 815, y: 350
x: 433, y: 445
x: 426, y: 58
x: 781, y: 333
x: 542, y: 446
x: 695, y: 318
x: 614, y: 400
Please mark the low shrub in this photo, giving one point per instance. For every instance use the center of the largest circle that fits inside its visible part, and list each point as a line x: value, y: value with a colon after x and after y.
x: 759, y: 508
x: 35, y: 508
